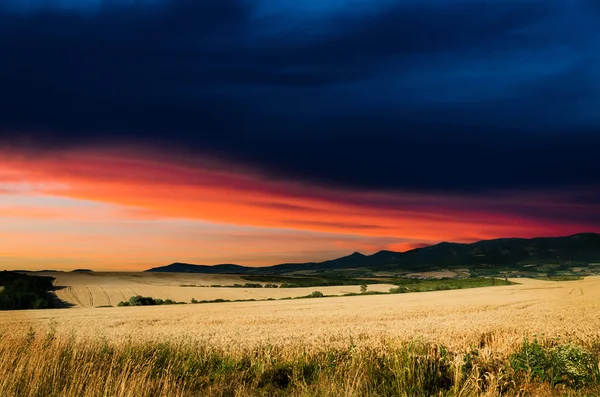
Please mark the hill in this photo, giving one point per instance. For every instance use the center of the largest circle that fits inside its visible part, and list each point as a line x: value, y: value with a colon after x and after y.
x: 549, y: 255
x: 189, y: 268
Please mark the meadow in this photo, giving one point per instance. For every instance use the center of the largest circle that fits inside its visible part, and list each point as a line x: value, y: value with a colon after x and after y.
x: 537, y: 338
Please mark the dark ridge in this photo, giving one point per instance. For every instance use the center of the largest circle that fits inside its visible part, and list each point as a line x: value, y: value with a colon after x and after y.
x: 572, y: 250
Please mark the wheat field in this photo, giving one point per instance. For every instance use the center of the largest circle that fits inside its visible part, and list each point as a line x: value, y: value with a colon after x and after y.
x: 337, y: 346
x: 455, y: 318
x: 95, y: 289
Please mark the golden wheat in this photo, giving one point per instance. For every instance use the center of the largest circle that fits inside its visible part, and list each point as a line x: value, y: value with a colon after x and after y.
x: 108, y: 289
x: 359, y: 345
x: 457, y: 319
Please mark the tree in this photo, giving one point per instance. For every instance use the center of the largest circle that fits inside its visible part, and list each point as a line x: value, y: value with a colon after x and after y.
x: 363, y: 288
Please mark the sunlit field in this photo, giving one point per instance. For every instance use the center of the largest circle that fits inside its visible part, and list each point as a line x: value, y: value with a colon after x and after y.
x: 108, y: 289
x: 461, y: 342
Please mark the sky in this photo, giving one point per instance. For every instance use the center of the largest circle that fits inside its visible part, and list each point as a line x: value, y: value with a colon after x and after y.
x: 135, y: 134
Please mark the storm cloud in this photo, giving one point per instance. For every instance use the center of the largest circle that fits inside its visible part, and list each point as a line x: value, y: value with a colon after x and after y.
x: 451, y: 95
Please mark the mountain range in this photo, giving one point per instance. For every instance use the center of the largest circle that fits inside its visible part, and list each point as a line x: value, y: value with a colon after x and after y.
x: 549, y: 254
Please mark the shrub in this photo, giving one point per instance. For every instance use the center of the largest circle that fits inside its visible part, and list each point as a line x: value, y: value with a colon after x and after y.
x: 565, y: 364
x: 316, y: 294
x: 139, y: 300
x: 253, y: 285
x: 289, y: 285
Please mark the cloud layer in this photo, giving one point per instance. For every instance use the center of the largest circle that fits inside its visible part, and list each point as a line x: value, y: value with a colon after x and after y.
x: 428, y: 95
x: 391, y: 123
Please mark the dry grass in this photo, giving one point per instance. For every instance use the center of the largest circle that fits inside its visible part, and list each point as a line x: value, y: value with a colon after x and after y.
x: 258, y: 337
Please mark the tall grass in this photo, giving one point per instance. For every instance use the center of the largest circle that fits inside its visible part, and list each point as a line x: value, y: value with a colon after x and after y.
x: 47, y: 365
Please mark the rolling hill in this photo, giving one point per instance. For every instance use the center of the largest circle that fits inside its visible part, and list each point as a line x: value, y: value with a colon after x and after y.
x: 542, y: 254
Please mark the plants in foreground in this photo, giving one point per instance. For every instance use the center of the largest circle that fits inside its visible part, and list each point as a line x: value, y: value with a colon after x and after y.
x: 39, y: 364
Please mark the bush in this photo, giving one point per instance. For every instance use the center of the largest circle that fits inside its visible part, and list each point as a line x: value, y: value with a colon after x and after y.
x: 565, y: 364
x: 316, y: 294
x: 290, y: 285
x: 139, y: 300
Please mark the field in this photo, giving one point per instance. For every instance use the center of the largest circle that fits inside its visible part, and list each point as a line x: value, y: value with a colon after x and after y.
x: 108, y: 289
x: 258, y: 337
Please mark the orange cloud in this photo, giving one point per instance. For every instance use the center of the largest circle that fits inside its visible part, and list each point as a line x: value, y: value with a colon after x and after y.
x: 100, y: 191
x: 159, y: 188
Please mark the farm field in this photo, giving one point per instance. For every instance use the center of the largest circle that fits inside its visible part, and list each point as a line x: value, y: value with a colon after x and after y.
x: 446, y: 343
x: 453, y: 318
x: 108, y: 289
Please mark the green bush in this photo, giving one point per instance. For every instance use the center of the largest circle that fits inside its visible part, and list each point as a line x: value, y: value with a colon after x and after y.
x: 290, y: 285
x: 567, y: 364
x: 316, y: 294
x: 139, y: 300
x: 253, y: 285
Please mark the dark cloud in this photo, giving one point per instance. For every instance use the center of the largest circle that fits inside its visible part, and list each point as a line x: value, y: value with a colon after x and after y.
x: 444, y: 95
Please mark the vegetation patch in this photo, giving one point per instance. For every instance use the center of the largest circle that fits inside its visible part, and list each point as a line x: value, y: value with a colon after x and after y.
x: 147, y: 301
x: 406, y: 285
x: 61, y: 366
x: 564, y: 364
x: 21, y: 291
x: 563, y: 278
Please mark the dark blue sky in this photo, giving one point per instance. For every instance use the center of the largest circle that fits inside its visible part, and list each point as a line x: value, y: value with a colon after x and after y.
x: 444, y: 95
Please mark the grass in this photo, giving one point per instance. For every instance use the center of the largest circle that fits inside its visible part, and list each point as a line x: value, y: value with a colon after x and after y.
x: 47, y: 365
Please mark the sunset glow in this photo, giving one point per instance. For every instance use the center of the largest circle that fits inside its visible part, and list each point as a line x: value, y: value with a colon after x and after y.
x: 126, y: 211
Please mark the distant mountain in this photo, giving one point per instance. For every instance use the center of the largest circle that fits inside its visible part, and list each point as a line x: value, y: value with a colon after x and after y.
x: 81, y: 271
x: 512, y: 253
x: 187, y: 268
